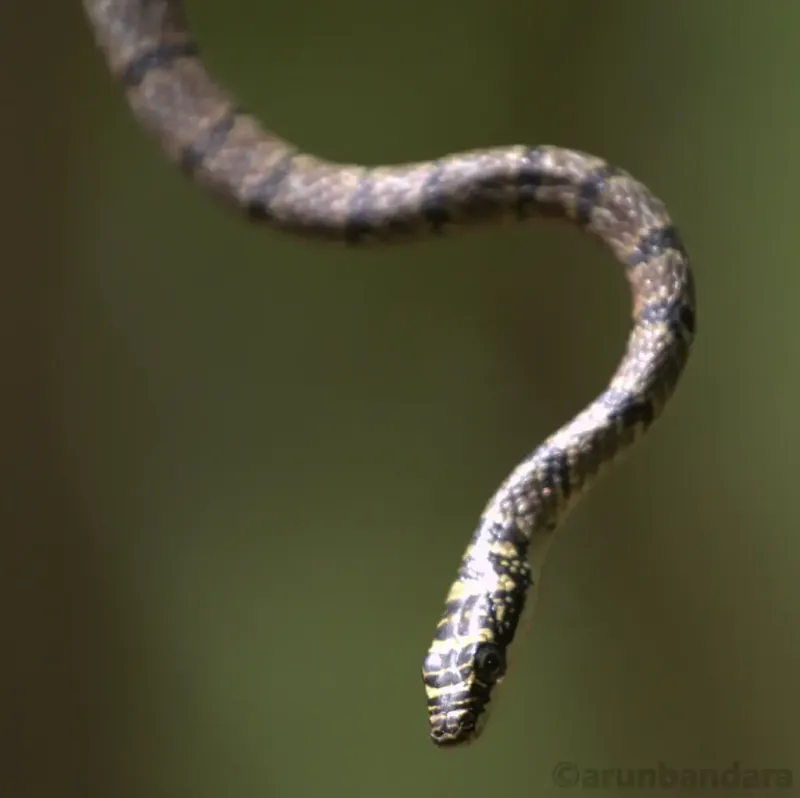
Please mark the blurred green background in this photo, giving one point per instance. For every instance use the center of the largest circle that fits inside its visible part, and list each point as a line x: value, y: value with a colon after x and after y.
x: 239, y: 471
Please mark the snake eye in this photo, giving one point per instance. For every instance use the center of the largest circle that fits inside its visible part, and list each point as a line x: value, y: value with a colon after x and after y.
x: 489, y: 663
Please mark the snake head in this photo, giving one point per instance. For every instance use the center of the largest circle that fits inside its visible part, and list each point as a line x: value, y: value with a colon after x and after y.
x: 459, y: 681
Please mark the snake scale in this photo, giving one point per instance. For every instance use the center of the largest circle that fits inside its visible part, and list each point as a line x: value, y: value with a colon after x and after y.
x: 151, y: 51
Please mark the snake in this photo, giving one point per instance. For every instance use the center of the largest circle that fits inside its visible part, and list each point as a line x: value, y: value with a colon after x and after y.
x: 150, y: 50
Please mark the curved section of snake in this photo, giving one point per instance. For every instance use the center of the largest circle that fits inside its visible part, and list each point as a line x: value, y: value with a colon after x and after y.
x: 150, y: 49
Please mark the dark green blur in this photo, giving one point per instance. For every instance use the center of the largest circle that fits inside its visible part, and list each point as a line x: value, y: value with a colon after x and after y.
x: 239, y: 471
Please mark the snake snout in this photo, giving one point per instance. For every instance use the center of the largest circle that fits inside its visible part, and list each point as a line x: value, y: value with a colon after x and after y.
x: 455, y: 727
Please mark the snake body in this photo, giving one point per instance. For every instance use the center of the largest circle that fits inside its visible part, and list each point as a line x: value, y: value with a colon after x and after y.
x: 150, y: 49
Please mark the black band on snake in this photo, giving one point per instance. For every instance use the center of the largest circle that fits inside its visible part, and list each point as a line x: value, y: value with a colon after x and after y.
x: 151, y: 51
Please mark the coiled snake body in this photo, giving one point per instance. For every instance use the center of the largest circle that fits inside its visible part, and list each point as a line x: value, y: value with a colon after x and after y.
x: 150, y: 49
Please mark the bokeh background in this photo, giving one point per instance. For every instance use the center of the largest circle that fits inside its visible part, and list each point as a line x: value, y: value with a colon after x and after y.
x: 238, y: 471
